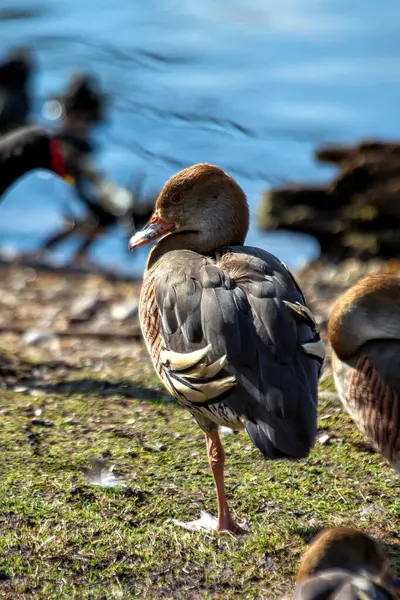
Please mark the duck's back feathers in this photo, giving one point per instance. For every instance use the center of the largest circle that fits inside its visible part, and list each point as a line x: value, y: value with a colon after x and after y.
x: 245, y: 304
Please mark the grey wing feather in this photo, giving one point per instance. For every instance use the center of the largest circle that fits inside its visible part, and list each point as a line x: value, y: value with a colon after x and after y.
x: 235, y: 302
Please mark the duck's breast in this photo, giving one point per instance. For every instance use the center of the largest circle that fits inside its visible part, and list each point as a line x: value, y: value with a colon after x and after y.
x: 369, y: 387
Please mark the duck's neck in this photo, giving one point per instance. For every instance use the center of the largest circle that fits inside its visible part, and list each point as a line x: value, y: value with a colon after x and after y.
x: 197, y: 241
x: 77, y: 127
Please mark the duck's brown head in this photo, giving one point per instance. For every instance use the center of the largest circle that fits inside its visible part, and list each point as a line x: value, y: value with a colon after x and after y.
x: 200, y: 208
x: 348, y: 549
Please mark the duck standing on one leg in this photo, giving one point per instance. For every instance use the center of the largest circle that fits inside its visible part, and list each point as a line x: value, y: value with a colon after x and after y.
x: 226, y: 325
x: 364, y: 330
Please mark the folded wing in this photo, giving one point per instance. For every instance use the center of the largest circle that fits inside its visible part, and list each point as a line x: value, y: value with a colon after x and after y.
x: 261, y: 345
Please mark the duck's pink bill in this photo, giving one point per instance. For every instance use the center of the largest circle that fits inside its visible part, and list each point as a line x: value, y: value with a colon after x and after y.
x: 154, y: 229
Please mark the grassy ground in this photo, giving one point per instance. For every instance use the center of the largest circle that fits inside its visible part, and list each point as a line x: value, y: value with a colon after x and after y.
x: 63, y: 538
x: 85, y: 397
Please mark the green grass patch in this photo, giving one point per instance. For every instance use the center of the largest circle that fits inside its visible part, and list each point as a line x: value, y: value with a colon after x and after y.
x: 63, y: 538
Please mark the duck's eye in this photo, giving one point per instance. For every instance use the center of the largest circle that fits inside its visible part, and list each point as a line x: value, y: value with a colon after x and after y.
x: 177, y: 197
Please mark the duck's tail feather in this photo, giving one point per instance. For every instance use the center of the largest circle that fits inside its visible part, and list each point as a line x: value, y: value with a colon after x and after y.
x: 276, y: 442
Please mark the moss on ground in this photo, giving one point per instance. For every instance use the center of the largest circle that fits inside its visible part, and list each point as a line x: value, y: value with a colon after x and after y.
x: 63, y: 538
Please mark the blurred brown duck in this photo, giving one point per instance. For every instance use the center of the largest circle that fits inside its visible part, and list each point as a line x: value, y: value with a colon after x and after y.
x: 364, y: 330
x: 345, y: 564
x: 226, y: 325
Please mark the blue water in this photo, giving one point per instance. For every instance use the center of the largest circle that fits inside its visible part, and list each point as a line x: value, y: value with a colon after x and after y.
x: 253, y: 86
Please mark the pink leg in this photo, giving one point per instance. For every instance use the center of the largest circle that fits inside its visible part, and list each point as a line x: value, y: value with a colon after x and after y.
x: 216, y: 460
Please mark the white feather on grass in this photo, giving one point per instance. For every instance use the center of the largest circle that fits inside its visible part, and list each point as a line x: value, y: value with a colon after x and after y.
x: 99, y: 475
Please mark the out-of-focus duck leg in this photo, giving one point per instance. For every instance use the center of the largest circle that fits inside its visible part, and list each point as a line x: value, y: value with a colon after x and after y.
x: 91, y: 234
x: 216, y: 460
x: 69, y: 229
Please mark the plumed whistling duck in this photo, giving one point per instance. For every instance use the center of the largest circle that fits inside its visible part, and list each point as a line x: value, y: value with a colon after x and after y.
x: 364, y: 330
x: 345, y: 564
x: 26, y: 149
x: 226, y: 325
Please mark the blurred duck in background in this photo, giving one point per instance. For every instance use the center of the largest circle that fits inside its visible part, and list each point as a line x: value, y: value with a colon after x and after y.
x: 345, y: 564
x: 29, y: 148
x: 16, y: 72
x: 78, y: 110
